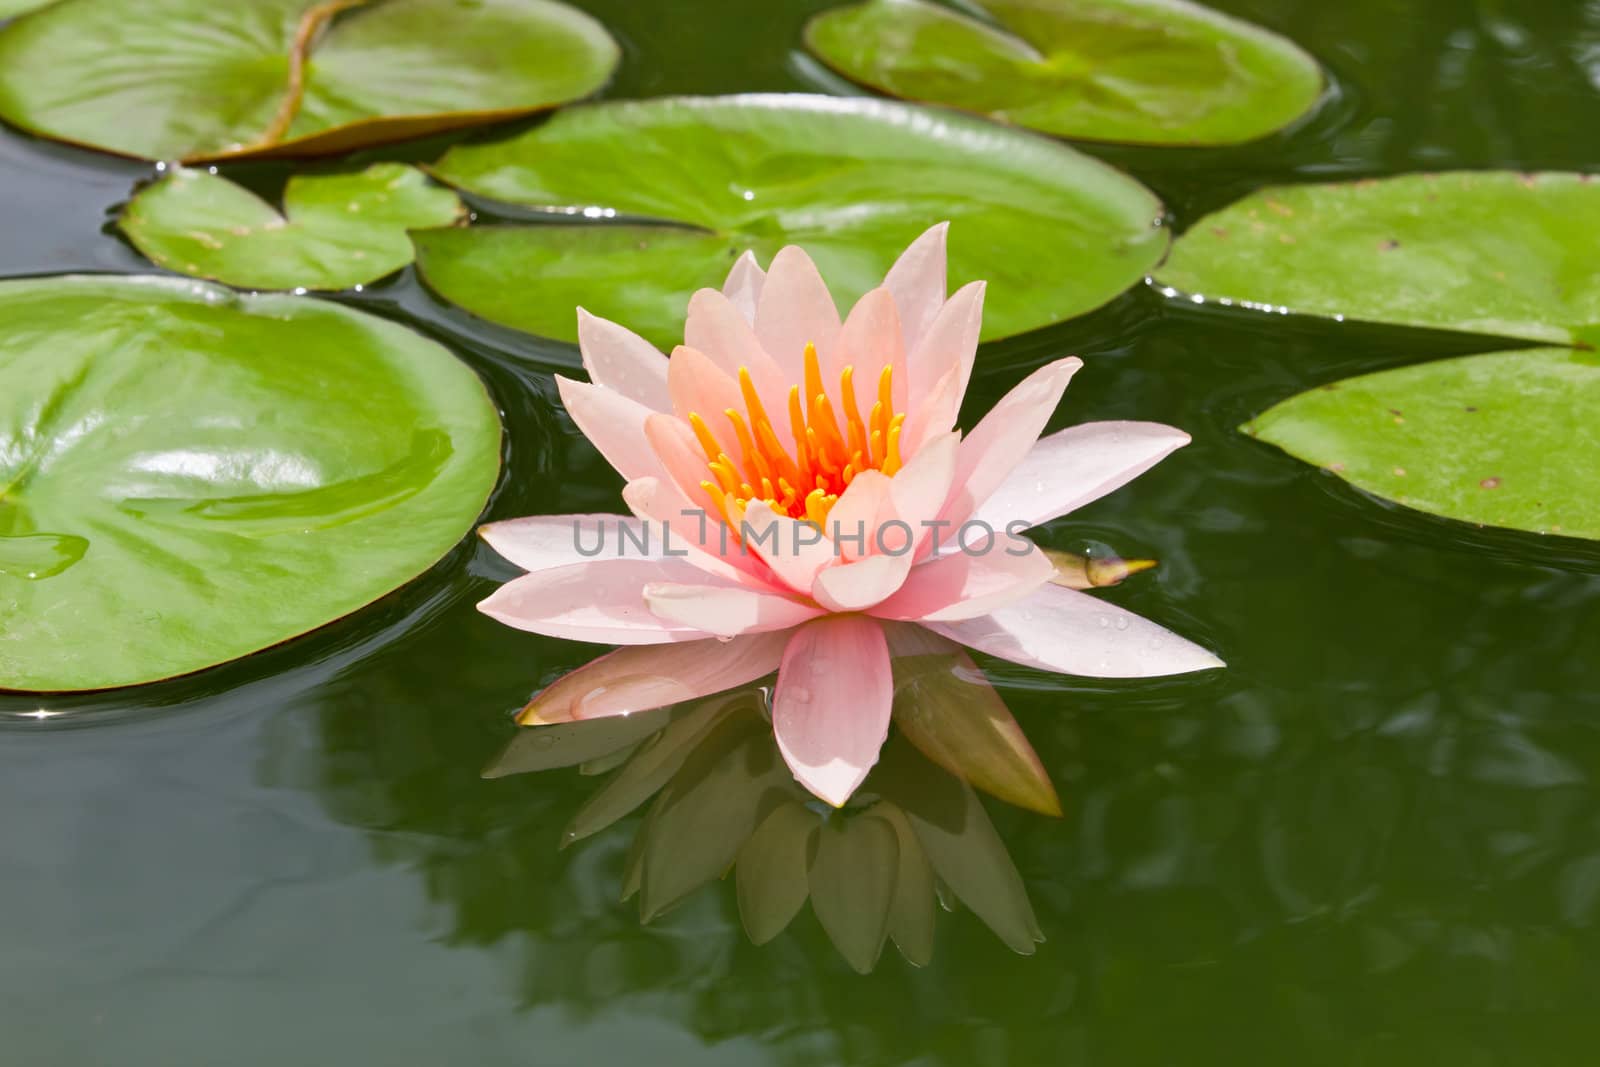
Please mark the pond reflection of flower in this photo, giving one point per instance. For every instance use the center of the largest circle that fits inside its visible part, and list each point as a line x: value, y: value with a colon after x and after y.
x: 824, y: 525
x: 913, y: 836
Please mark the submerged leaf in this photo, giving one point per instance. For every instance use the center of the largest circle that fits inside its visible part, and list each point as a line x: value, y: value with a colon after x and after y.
x: 196, y: 501
x: 196, y: 79
x: 1055, y: 232
x: 1141, y: 71
x: 1492, y: 252
x: 1504, y: 439
x: 336, y: 230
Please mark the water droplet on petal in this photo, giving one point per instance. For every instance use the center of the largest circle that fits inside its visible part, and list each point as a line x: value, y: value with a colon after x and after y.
x: 800, y: 695
x: 1122, y: 622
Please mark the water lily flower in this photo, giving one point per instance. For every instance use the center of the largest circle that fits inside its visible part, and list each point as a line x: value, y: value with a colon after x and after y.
x: 799, y: 494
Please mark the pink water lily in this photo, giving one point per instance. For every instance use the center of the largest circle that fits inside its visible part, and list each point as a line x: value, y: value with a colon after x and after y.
x: 795, y: 482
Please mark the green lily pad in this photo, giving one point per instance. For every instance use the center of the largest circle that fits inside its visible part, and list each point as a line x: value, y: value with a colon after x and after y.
x: 1504, y: 439
x: 853, y: 181
x: 336, y: 230
x: 12, y: 8
x: 195, y: 79
x: 188, y: 476
x: 1162, y: 72
x: 1512, y: 255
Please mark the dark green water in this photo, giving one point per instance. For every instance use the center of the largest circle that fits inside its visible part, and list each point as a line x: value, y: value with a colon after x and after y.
x: 1374, y: 840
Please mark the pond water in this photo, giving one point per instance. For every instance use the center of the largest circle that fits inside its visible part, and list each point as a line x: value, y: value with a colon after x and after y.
x: 1374, y: 839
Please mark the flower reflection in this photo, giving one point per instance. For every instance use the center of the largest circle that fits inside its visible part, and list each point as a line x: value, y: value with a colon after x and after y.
x: 828, y: 516
x: 720, y: 799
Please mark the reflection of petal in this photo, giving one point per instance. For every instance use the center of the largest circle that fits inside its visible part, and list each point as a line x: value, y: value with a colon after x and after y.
x: 642, y: 677
x: 852, y: 882
x: 772, y: 871
x: 911, y: 916
x: 568, y: 744
x: 1069, y: 632
x: 831, y: 707
x: 945, y: 706
x: 961, y: 843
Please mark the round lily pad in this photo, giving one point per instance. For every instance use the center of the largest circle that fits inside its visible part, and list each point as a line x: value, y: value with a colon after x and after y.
x: 1492, y: 252
x: 678, y: 187
x: 1504, y: 439
x: 188, y: 475
x: 196, y: 79
x: 1161, y: 72
x: 336, y: 230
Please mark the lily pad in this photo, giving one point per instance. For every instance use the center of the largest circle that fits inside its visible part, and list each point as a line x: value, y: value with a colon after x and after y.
x: 679, y: 187
x: 1504, y: 439
x: 1161, y: 72
x: 195, y: 79
x: 204, y: 475
x: 12, y: 8
x: 1512, y: 255
x: 336, y: 230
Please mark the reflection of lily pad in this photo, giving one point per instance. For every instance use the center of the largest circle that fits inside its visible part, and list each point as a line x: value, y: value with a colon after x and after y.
x: 192, y: 79
x: 1513, y: 255
x: 854, y: 181
x: 188, y: 476
x: 1505, y: 439
x: 1141, y: 71
x: 336, y: 230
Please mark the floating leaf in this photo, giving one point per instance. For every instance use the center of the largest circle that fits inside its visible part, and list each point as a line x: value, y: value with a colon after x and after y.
x: 945, y: 706
x: 852, y: 885
x: 772, y: 870
x: 219, y: 473
x: 12, y: 8
x: 336, y: 230
x: 196, y: 79
x: 1504, y: 439
x: 1492, y: 252
x: 1140, y: 71
x: 852, y: 180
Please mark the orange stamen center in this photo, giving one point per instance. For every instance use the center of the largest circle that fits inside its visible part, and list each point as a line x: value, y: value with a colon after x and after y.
x: 748, y: 461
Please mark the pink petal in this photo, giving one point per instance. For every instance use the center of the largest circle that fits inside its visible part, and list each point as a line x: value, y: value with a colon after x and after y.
x: 855, y: 514
x: 1069, y: 469
x: 1004, y: 436
x: 869, y: 341
x: 652, y: 676
x: 541, y: 542
x: 964, y: 585
x: 620, y: 360
x: 614, y: 424
x: 601, y: 601
x: 950, y: 343
x: 1069, y: 632
x: 795, y: 310
x: 859, y: 585
x: 709, y: 543
x: 698, y: 385
x: 718, y: 329
x: 678, y: 453
x: 934, y: 413
x: 831, y: 708
x: 726, y: 610
x: 917, y: 281
x: 795, y: 551
x: 744, y: 285
x: 921, y: 487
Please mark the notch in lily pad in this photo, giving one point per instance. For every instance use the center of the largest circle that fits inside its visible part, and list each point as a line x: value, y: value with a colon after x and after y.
x: 1157, y: 72
x: 201, y: 80
x: 336, y: 231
